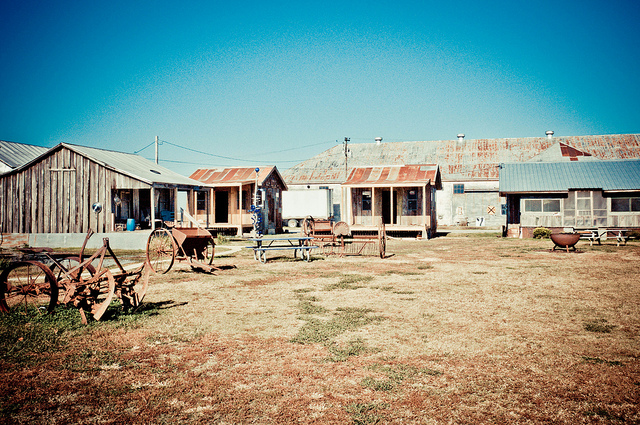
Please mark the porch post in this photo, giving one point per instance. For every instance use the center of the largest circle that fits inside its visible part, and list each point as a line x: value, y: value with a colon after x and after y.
x: 240, y: 199
x: 153, y: 208
x: 176, y: 210
x: 393, y: 218
x: 424, y: 205
x: 373, y: 205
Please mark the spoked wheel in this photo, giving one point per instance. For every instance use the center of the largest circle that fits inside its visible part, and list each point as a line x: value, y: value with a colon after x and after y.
x: 208, y: 251
x: 133, y: 290
x: 30, y: 285
x: 161, y: 250
x: 68, y: 274
x: 95, y: 295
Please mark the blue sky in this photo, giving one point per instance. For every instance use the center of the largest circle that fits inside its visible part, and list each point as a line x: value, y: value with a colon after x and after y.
x: 278, y: 82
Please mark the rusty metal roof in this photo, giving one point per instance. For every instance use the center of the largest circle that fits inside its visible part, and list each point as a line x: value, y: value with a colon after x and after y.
x: 235, y: 175
x: 468, y: 159
x: 529, y: 177
x: 16, y: 154
x: 394, y: 175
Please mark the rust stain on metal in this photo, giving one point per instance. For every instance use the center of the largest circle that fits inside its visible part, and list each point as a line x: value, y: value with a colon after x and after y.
x: 393, y: 174
x: 235, y: 175
x: 470, y: 159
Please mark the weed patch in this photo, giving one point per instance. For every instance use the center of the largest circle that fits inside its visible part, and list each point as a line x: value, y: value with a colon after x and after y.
x: 598, y: 326
x: 323, y: 331
x: 354, y: 347
x: 598, y: 360
x: 365, y: 413
x: 352, y: 281
x: 395, y: 375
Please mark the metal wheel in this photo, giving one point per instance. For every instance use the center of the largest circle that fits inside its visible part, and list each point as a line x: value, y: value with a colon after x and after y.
x: 133, y: 290
x: 30, y: 285
x: 209, y: 251
x: 67, y: 272
x: 161, y: 250
x: 96, y: 295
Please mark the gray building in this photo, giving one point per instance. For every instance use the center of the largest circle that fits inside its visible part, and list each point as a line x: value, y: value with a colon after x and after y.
x: 571, y: 195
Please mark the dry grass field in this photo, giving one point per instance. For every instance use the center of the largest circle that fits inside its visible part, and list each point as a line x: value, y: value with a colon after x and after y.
x: 458, y: 329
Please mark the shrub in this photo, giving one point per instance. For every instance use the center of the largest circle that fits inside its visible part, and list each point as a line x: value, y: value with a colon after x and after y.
x: 541, y: 233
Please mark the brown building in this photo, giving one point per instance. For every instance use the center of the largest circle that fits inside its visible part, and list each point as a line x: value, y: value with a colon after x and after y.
x: 401, y: 196
x: 226, y: 205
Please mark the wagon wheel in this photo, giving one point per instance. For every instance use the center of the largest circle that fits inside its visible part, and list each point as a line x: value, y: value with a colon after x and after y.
x: 30, y: 284
x: 97, y: 295
x: 307, y: 225
x: 209, y: 250
x: 161, y: 250
x: 133, y: 290
x: 68, y: 272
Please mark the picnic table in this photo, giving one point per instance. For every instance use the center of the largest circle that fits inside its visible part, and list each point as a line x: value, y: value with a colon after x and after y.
x: 296, y: 243
x: 601, y: 233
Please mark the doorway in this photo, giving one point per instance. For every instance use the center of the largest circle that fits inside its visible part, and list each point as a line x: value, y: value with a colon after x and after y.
x: 222, y: 206
x: 387, y: 214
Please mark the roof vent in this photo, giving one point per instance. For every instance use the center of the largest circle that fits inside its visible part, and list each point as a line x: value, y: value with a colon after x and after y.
x: 549, y: 134
x: 460, y: 137
x: 378, y: 140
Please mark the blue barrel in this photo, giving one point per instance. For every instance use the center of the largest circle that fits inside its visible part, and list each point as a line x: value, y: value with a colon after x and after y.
x: 131, y: 224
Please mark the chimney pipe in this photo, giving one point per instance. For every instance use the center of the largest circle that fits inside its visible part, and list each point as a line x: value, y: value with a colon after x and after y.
x: 460, y: 137
x: 549, y: 134
x: 378, y: 140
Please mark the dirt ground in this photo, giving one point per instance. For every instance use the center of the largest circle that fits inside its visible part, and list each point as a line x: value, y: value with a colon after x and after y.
x: 458, y: 329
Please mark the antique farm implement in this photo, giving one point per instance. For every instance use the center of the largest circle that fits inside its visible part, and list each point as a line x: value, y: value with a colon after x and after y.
x: 337, y: 238
x: 193, y: 244
x: 44, y: 279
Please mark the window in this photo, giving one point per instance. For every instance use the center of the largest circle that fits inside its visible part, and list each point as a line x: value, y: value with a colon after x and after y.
x: 542, y: 205
x: 366, y: 200
x: 412, y: 200
x: 458, y: 188
x: 625, y: 204
x: 201, y: 201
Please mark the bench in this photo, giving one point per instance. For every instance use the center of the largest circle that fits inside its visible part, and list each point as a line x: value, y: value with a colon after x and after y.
x: 600, y: 234
x: 262, y: 245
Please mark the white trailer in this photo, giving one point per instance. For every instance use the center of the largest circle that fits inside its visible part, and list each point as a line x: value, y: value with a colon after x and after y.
x: 298, y: 204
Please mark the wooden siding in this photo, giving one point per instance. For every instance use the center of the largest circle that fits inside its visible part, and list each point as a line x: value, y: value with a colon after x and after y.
x: 55, y: 194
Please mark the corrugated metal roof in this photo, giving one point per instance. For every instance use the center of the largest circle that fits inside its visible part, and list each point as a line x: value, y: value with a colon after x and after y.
x: 393, y: 175
x: 17, y: 154
x: 133, y: 165
x: 561, y: 176
x: 458, y: 160
x: 235, y: 175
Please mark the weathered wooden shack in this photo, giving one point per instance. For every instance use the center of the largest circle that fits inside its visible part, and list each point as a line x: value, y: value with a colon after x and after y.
x: 54, y: 192
x: 232, y: 193
x: 402, y: 196
x: 571, y: 195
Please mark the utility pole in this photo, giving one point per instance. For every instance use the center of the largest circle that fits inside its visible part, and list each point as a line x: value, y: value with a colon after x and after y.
x: 346, y: 154
x: 156, y: 149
